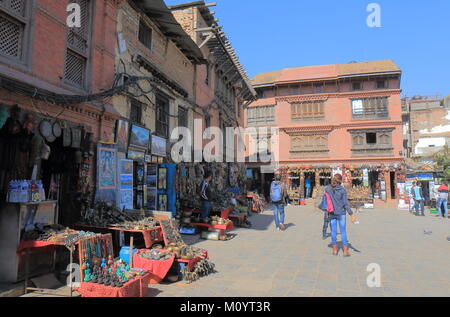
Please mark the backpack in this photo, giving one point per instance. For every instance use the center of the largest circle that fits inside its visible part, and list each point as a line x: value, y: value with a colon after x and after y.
x: 327, y: 203
x: 276, y: 192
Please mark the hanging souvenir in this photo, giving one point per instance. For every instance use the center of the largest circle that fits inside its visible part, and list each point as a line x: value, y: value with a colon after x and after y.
x: 46, y: 129
x: 67, y: 137
x: 76, y: 138
x: 57, y: 131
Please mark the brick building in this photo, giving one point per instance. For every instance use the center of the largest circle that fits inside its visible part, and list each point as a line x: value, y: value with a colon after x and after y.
x: 223, y: 89
x: 53, y: 73
x: 343, y: 117
x: 427, y: 125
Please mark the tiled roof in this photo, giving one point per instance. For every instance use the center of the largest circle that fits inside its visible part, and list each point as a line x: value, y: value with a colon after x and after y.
x: 307, y: 73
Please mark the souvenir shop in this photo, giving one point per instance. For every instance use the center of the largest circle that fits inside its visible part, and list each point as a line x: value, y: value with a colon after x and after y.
x: 364, y: 182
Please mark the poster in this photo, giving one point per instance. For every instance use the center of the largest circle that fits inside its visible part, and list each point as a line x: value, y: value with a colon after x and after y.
x: 126, y: 199
x: 107, y: 168
x: 136, y: 155
x: 126, y: 167
x: 162, y: 178
x: 162, y: 202
x: 152, y: 176
x: 139, y: 137
x: 122, y: 133
x: 126, y: 181
x: 152, y: 194
x: 159, y: 146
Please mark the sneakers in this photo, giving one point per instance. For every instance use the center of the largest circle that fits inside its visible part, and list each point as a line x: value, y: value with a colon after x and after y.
x: 282, y: 227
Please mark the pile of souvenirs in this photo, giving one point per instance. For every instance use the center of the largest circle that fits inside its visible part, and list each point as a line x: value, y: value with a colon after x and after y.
x: 109, y: 273
x: 201, y: 268
x: 105, y: 214
x: 57, y: 234
x: 219, y: 221
x: 176, y: 245
x: 155, y: 255
x: 24, y: 191
x: 358, y: 193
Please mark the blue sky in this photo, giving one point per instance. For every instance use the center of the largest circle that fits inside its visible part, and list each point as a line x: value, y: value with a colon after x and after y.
x: 270, y: 35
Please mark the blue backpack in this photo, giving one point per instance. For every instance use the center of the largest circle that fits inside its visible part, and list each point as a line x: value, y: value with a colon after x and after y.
x: 276, y: 192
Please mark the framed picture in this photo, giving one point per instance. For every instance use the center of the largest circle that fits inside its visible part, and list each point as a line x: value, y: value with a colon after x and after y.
x: 152, y: 194
x: 126, y: 199
x: 139, y: 137
x: 107, y: 168
x: 136, y: 155
x: 126, y: 167
x: 159, y: 146
x: 122, y: 135
x: 162, y: 178
x: 162, y: 202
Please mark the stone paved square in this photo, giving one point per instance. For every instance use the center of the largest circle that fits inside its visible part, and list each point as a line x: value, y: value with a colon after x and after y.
x: 264, y: 262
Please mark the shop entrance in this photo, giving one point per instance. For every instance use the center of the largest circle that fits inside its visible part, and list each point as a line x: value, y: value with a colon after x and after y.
x: 373, y: 182
x: 310, y: 183
x: 393, y: 185
x: 325, y: 179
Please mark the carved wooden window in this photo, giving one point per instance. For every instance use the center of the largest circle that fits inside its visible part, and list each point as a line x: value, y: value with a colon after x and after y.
x: 314, y: 110
x: 261, y: 116
x: 78, y: 47
x: 14, y: 29
x: 372, y: 142
x: 309, y: 144
x: 145, y: 34
x: 370, y: 108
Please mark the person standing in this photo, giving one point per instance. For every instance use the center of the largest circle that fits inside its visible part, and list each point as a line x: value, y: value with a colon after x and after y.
x: 206, y: 195
x: 443, y: 198
x: 278, y: 194
x: 418, y: 199
x: 308, y: 187
x: 341, y: 207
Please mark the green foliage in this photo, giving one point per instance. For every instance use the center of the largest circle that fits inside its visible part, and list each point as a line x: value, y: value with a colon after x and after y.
x: 442, y: 159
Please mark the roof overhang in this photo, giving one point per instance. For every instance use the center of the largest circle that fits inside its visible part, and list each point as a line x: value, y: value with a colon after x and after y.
x: 159, y: 13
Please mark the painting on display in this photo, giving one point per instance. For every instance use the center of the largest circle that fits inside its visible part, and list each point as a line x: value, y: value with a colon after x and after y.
x: 136, y: 155
x: 162, y: 178
x: 139, y: 137
x: 107, y: 168
x: 126, y: 199
x: 159, y: 146
x: 126, y: 181
x: 152, y: 194
x: 162, y: 202
x: 122, y: 134
x: 126, y: 167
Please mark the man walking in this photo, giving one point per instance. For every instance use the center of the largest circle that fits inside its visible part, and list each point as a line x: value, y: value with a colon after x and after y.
x: 442, y: 201
x: 278, y: 194
x: 418, y: 199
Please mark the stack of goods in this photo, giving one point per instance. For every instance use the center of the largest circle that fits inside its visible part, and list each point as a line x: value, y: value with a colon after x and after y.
x: 186, y: 217
x: 24, y: 191
x: 222, y: 201
x: 358, y: 193
x: 176, y: 245
x: 141, y: 225
x: 110, y: 273
x: 202, y: 268
x: 219, y: 221
x: 155, y: 255
x: 105, y: 214
x: 57, y: 234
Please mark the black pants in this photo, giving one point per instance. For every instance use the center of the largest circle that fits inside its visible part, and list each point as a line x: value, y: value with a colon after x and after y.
x: 326, y: 222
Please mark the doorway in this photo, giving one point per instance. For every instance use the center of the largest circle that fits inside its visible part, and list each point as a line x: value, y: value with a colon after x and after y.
x: 310, y: 183
x: 393, y: 186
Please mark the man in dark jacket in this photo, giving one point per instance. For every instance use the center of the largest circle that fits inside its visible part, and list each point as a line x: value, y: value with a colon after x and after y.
x: 442, y: 201
x: 206, y: 195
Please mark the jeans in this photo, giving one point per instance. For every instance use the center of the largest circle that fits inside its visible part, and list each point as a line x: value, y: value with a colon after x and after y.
x: 341, y: 219
x: 326, y: 223
x: 206, y: 209
x: 419, y: 204
x: 308, y: 192
x: 442, y: 201
x: 278, y: 213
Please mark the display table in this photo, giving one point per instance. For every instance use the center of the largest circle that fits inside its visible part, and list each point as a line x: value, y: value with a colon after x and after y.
x: 157, y: 269
x: 137, y: 287
x: 151, y: 236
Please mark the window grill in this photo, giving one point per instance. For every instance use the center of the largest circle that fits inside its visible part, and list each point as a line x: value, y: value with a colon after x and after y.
x: 308, y: 110
x: 11, y: 37
x: 260, y: 116
x: 145, y: 35
x: 77, y: 38
x: 75, y: 68
x: 17, y: 7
